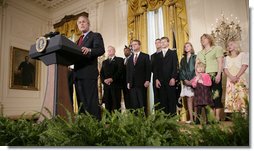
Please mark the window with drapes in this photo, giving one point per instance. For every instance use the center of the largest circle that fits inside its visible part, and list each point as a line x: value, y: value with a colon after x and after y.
x: 152, y: 19
x: 155, y: 28
x: 174, y: 21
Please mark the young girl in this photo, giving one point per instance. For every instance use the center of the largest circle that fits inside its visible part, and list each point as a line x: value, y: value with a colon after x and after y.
x: 237, y: 92
x: 202, y: 90
x: 187, y: 72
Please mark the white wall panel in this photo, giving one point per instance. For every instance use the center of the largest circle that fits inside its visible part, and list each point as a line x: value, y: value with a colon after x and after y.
x: 21, y: 27
x: 203, y: 13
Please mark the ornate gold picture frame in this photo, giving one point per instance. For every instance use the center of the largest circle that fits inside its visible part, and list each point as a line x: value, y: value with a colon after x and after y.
x: 24, y: 71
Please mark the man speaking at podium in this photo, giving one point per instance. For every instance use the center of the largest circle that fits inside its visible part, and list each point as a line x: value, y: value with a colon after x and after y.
x: 86, y: 71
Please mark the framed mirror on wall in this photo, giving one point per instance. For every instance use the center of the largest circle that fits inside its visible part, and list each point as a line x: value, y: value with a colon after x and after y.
x: 24, y: 71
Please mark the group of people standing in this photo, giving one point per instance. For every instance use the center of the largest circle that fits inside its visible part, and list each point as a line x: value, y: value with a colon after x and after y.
x: 200, y: 75
x: 133, y: 75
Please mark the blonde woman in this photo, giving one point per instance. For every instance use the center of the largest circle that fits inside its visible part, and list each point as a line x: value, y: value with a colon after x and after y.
x: 212, y: 57
x: 237, y: 92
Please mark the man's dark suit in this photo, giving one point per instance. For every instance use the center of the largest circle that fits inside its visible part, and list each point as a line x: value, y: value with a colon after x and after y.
x: 136, y: 76
x: 166, y: 68
x: 126, y: 91
x: 86, y: 74
x: 112, y: 93
x: 155, y: 90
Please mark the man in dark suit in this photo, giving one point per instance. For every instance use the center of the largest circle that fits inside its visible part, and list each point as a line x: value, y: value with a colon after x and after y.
x: 166, y: 73
x: 112, y: 77
x: 138, y: 76
x: 86, y: 71
x: 126, y: 91
x: 155, y: 90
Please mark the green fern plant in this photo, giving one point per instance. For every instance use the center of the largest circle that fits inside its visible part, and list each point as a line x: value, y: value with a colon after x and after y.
x: 131, y: 128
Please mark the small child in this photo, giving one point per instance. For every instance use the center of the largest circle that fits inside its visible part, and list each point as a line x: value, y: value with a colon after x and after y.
x: 202, y: 92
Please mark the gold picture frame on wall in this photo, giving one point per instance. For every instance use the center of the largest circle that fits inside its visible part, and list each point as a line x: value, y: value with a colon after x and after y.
x: 24, y: 71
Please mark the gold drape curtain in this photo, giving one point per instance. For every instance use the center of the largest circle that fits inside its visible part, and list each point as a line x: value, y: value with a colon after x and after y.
x: 137, y: 22
x: 69, y: 29
x: 140, y: 30
x: 175, y: 23
x: 174, y: 19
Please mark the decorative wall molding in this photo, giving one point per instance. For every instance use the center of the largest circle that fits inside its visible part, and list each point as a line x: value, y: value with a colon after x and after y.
x: 3, y: 6
x: 71, y: 9
x: 20, y: 26
x: 122, y: 1
x: 67, y: 18
x: 3, y: 3
x: 30, y: 9
x: 93, y: 8
x: 51, y: 4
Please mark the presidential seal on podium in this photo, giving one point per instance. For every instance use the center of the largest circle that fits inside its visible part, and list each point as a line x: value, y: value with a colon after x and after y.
x: 41, y: 44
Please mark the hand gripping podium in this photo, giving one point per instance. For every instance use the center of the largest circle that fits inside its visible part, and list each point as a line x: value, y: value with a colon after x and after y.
x: 58, y: 54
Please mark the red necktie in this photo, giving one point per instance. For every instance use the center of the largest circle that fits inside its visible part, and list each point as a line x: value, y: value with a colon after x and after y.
x: 80, y: 40
x: 135, y: 59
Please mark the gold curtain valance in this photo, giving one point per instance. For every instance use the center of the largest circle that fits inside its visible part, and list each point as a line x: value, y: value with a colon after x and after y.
x: 174, y: 19
x: 69, y: 28
x: 140, y: 6
x: 68, y: 25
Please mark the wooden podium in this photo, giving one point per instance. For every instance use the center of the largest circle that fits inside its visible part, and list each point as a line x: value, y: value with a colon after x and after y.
x: 59, y: 53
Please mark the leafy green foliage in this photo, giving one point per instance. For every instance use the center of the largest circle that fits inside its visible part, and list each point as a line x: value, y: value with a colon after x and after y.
x: 240, y: 130
x: 20, y: 132
x: 131, y: 128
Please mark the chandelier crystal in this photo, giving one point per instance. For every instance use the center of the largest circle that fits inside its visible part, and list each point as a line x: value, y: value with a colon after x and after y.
x: 226, y: 30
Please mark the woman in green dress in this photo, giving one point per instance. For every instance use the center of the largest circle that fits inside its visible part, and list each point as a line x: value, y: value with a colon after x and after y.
x: 187, y: 73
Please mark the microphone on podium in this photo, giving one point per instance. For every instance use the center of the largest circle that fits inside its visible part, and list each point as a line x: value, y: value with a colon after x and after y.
x: 51, y: 34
